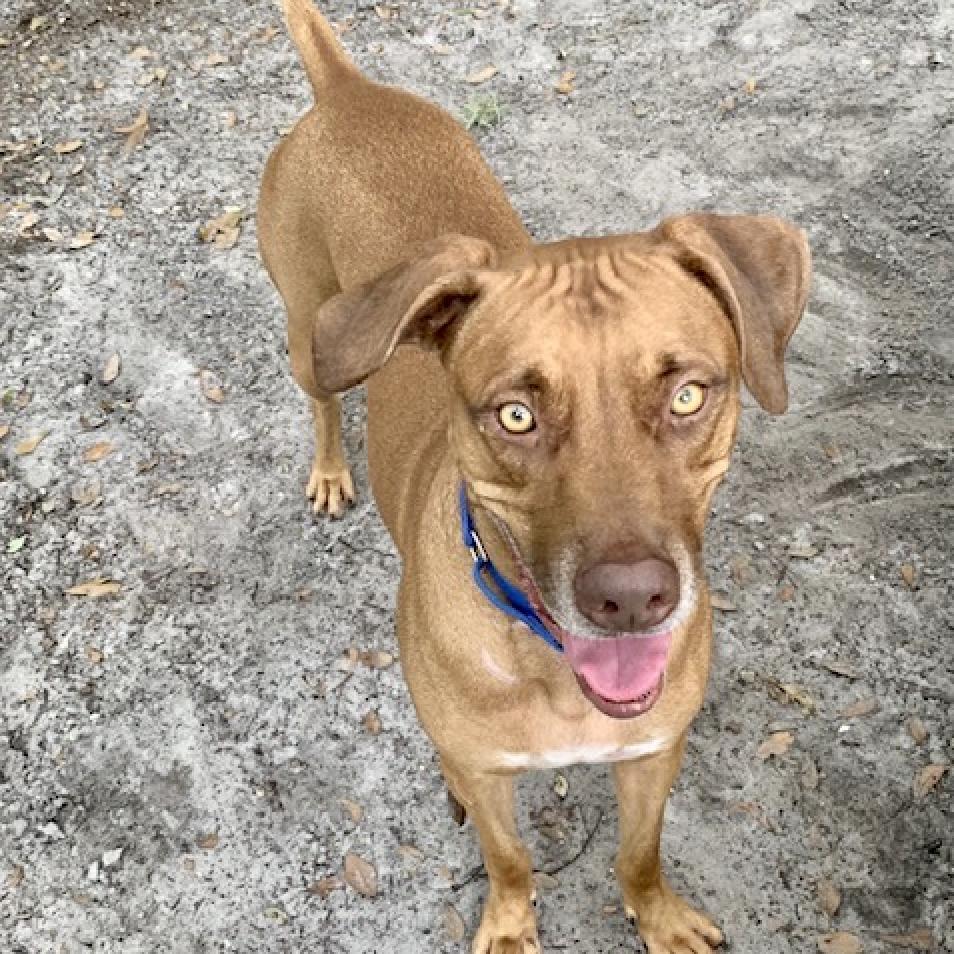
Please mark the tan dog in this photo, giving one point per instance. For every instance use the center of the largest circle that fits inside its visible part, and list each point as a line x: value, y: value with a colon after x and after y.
x: 585, y: 393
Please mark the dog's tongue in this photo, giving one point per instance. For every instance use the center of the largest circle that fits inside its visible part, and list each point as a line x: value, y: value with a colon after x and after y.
x: 619, y: 668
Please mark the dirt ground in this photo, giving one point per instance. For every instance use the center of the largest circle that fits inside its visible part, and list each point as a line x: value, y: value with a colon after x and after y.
x: 185, y: 763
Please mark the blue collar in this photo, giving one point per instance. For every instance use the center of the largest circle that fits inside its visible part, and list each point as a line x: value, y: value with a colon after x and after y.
x: 503, y: 594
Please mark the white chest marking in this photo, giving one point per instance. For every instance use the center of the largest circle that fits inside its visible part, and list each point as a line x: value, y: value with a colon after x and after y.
x: 584, y: 753
x: 496, y: 670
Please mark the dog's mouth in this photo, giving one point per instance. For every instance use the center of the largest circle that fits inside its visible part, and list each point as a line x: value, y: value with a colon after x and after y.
x: 622, y: 674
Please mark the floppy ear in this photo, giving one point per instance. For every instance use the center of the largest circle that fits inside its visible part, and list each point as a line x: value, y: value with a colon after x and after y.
x: 356, y: 331
x: 759, y: 268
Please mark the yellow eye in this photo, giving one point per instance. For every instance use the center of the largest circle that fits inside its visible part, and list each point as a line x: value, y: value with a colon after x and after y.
x: 516, y: 418
x: 688, y: 399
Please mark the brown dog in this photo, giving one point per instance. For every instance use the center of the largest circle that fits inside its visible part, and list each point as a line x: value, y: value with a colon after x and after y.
x: 584, y: 394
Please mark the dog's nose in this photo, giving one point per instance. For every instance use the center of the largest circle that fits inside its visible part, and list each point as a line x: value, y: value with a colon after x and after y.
x: 628, y: 597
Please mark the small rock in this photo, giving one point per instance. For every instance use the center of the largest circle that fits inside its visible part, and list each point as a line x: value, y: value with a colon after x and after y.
x: 112, y: 857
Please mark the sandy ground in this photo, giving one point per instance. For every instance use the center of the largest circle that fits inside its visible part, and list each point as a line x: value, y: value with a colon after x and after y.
x: 174, y: 755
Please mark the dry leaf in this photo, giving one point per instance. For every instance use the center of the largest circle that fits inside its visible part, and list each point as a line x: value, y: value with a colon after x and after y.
x: 111, y: 369
x: 382, y: 11
x: 441, y: 49
x: 211, y: 386
x: 27, y: 223
x: 778, y: 743
x: 481, y: 76
x: 354, y: 810
x: 142, y: 53
x: 863, y: 707
x: 920, y: 940
x: 116, y: 212
x: 372, y: 722
x: 82, y: 239
x: 29, y: 445
x: 909, y: 575
x: 216, y: 59
x: 560, y: 785
x: 454, y: 925
x: 224, y: 230
x: 916, y: 729
x: 722, y: 602
x: 229, y: 119
x: 802, y: 551
x: 360, y: 875
x: 4, y: 430
x: 751, y: 85
x: 565, y: 83
x: 85, y: 495
x: 829, y: 897
x: 71, y: 145
x: 927, y: 779
x: 135, y: 132
x: 324, y: 886
x: 94, y: 655
x: 16, y: 876
x: 268, y: 34
x: 786, y: 592
x: 98, y: 451
x: 410, y: 854
x: 208, y: 841
x: 377, y: 659
x: 840, y: 943
x: 95, y: 588
x: 76, y: 169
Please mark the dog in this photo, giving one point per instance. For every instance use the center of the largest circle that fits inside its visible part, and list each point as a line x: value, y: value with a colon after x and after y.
x: 546, y: 426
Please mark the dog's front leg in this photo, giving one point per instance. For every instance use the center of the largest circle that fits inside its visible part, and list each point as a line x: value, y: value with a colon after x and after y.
x: 666, y: 923
x: 508, y: 925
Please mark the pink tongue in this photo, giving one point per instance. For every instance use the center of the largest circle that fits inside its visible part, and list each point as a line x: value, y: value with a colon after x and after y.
x: 619, y: 668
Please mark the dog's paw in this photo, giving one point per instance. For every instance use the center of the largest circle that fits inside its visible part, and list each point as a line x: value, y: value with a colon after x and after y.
x: 507, y: 929
x: 668, y: 925
x: 331, y: 490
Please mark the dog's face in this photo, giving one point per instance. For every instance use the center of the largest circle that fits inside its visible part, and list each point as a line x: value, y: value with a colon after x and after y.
x: 594, y: 401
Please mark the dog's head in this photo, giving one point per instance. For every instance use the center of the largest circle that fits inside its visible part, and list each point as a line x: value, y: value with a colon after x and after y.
x: 595, y: 395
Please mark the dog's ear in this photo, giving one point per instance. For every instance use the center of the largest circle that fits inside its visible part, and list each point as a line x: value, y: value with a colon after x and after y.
x: 759, y: 269
x: 356, y: 331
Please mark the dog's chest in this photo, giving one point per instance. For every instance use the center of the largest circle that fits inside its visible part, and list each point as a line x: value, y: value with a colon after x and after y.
x: 580, y: 754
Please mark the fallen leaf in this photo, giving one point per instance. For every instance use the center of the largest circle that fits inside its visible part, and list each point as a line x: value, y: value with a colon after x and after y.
x: 142, y: 53
x: 78, y: 167
x: 560, y: 785
x: 410, y: 854
x: 16, y: 544
x: 751, y: 85
x: 116, y: 212
x: 360, y: 875
x: 917, y: 730
x: 786, y: 592
x: 481, y: 76
x: 927, y: 779
x: 27, y: 223
x: 829, y: 897
x: 95, y: 588
x: 135, y: 132
x: 224, y: 230
x: 16, y: 876
x: 111, y: 369
x: 82, y: 239
x: 778, y: 743
x: 211, y: 386
x: 382, y: 11
x: 4, y: 430
x: 564, y: 85
x: 372, y: 722
x: 22, y: 399
x: 324, y: 886
x: 441, y: 49
x: 71, y: 145
x: 454, y: 925
x: 98, y: 451
x: 920, y: 940
x: 722, y: 602
x: 832, y: 451
x: 268, y: 34
x: 94, y: 655
x: 208, y: 841
x: 354, y: 810
x: 863, y: 707
x: 85, y: 495
x: 39, y: 22
x: 229, y: 118
x: 909, y: 575
x: 802, y: 551
x: 840, y: 943
x: 377, y: 659
x: 216, y: 59
x: 29, y: 445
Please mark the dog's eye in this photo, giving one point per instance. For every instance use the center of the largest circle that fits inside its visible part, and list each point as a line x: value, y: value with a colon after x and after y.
x: 688, y: 399
x: 516, y: 418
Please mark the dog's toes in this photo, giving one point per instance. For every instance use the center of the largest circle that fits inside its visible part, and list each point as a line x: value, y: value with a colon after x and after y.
x: 331, y: 492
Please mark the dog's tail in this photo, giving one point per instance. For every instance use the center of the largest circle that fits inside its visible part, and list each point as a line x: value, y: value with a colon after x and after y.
x: 323, y: 56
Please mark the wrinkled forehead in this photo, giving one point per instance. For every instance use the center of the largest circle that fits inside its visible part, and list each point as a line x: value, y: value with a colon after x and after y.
x: 609, y: 312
